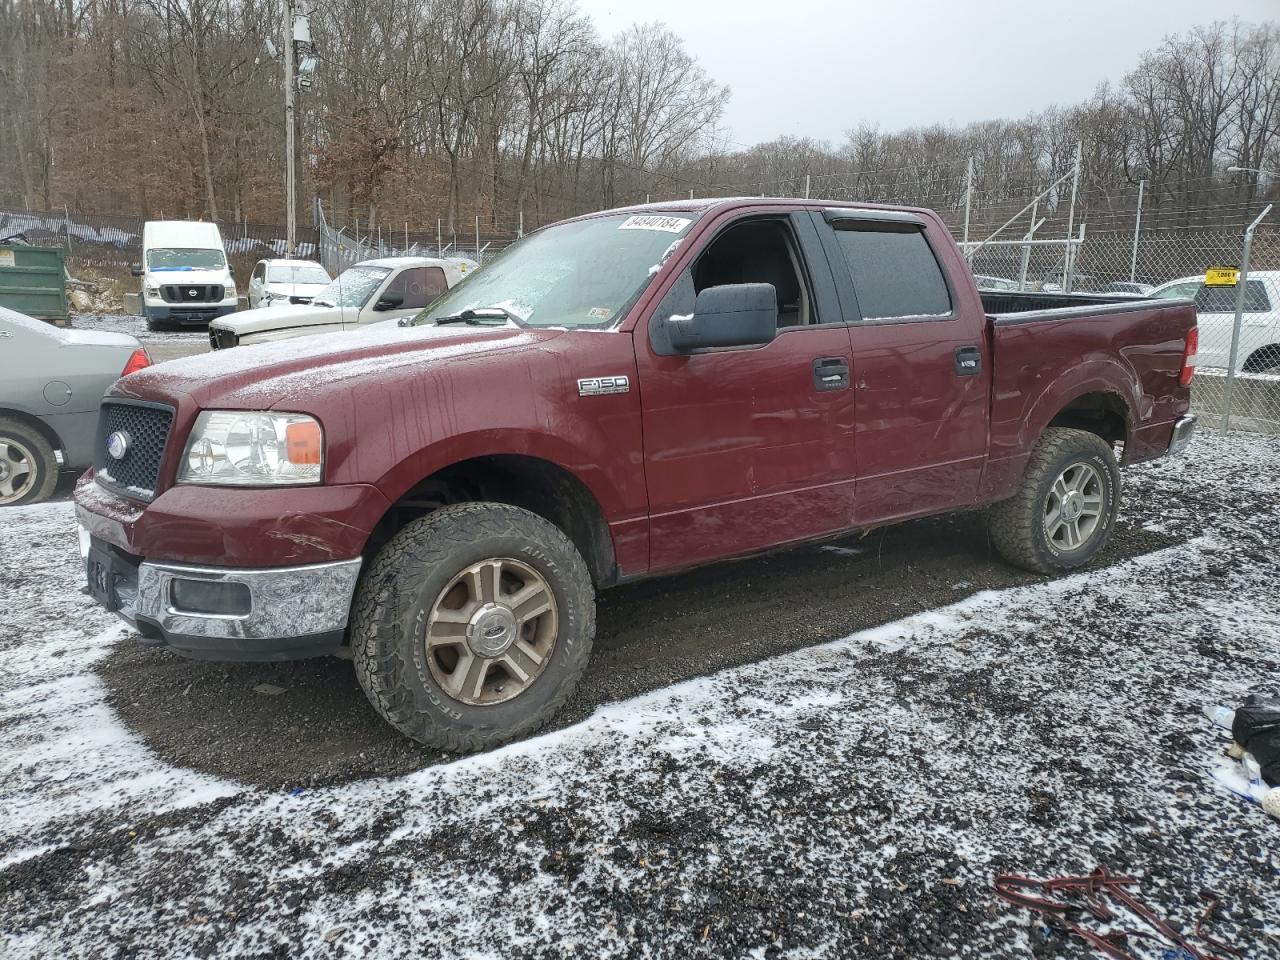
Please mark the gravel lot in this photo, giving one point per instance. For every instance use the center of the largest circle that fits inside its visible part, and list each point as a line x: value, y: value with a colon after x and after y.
x: 827, y: 752
x: 161, y: 344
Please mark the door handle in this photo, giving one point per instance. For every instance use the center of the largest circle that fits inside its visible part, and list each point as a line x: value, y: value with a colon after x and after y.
x: 968, y: 361
x: 830, y: 373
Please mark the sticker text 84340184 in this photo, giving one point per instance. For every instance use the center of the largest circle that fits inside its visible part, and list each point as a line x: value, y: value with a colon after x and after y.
x: 654, y: 222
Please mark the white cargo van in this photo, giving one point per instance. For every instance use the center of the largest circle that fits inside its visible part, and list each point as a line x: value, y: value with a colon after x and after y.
x: 186, y: 279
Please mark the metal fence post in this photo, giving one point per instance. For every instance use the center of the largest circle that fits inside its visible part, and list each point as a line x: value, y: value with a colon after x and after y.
x: 1235, y: 326
x: 1137, y: 231
x: 1068, y: 267
x: 968, y: 201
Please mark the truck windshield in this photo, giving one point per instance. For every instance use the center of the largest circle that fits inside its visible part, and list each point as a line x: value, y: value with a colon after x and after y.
x: 185, y: 258
x: 585, y: 273
x: 352, y: 287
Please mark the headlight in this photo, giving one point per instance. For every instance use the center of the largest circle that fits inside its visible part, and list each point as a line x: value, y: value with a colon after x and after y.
x: 249, y: 448
x: 228, y: 291
x: 153, y: 291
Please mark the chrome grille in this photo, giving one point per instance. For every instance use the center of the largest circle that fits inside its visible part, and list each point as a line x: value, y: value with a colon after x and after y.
x: 142, y: 430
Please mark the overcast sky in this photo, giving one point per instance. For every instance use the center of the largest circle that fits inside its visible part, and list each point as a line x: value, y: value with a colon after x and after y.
x: 809, y: 68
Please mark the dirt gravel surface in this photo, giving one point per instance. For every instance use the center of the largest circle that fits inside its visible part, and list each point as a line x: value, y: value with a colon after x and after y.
x: 825, y: 752
x: 161, y: 344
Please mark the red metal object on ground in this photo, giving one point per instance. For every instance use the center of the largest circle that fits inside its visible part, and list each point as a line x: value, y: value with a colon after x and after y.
x: 1086, y: 894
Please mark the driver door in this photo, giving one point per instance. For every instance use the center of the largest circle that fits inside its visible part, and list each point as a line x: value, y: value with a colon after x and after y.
x: 749, y: 447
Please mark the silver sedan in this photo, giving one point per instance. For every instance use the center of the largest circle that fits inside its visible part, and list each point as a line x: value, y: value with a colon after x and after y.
x: 51, y: 382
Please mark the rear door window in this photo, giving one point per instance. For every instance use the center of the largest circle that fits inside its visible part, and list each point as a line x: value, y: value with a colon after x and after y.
x: 1223, y: 299
x: 895, y: 274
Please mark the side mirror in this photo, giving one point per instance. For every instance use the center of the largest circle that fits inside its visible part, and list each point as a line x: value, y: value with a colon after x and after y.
x: 137, y: 270
x: 389, y: 301
x: 734, y: 315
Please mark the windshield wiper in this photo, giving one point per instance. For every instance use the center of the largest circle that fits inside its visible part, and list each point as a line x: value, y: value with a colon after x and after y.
x: 477, y: 316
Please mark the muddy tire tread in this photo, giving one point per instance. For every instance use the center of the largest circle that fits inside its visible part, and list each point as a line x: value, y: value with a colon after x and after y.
x: 1012, y: 522
x: 377, y: 632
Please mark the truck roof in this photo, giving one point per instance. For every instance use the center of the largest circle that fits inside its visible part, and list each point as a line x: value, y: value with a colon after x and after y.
x: 196, y: 234
x: 703, y: 204
x: 411, y: 261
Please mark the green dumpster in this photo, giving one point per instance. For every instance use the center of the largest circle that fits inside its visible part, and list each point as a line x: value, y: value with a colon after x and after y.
x: 33, y: 280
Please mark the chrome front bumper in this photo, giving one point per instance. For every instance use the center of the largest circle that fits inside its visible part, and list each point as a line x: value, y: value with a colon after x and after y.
x: 292, y: 611
x: 1183, y: 430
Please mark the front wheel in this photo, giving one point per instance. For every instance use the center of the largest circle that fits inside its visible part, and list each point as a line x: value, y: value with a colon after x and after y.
x: 1064, y: 513
x: 473, y: 625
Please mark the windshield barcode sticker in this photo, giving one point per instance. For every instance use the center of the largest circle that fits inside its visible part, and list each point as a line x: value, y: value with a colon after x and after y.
x: 650, y: 222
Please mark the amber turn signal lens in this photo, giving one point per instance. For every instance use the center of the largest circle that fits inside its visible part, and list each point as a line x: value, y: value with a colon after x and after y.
x: 302, y: 441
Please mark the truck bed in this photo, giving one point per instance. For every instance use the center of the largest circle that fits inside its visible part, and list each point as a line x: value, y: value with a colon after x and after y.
x: 999, y: 303
x: 1053, y: 348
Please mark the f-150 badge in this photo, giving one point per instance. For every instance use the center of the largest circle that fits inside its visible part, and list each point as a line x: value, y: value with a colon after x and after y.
x: 599, y: 386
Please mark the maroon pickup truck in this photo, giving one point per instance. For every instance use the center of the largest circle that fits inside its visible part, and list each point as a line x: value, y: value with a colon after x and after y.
x: 630, y: 393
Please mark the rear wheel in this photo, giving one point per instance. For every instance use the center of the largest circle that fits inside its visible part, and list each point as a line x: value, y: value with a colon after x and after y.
x: 1063, y: 514
x: 28, y: 467
x: 473, y: 625
x: 1265, y: 360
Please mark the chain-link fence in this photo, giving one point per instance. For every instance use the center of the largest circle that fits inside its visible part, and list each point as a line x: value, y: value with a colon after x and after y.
x: 114, y: 243
x: 1173, y: 264
x: 338, y: 249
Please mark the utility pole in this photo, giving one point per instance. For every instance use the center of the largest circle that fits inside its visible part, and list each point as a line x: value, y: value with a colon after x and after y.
x: 290, y: 171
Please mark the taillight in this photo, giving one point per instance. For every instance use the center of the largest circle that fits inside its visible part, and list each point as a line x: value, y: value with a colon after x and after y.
x: 1189, y: 356
x: 137, y: 360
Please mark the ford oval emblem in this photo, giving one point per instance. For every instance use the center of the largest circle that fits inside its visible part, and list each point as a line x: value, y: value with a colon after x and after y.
x: 118, y: 444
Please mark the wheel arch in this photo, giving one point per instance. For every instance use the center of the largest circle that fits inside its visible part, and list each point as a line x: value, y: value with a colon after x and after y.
x: 534, y: 483
x: 1263, y: 358
x: 36, y: 424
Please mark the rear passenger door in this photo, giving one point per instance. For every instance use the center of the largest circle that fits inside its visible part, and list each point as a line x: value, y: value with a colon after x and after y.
x: 921, y: 371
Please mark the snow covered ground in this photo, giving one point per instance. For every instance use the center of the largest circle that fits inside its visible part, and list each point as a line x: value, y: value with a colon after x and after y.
x: 850, y: 799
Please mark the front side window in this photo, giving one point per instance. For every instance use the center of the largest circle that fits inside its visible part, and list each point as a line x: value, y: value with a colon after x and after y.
x: 351, y: 288
x: 581, y: 274
x: 418, y: 286
x: 895, y: 274
x: 183, y: 258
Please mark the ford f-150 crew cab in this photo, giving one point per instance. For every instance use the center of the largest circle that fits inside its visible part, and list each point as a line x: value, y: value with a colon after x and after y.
x: 620, y: 395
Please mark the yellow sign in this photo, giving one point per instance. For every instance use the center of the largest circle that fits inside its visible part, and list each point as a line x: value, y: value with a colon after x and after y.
x: 1221, y: 277
x: 6, y: 258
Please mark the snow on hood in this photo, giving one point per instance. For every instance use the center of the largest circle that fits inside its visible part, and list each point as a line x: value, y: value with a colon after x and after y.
x: 159, y: 276
x: 270, y: 374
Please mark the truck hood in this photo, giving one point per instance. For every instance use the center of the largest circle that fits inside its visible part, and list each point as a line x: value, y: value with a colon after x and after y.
x: 287, y: 374
x: 286, y: 289
x: 279, y: 318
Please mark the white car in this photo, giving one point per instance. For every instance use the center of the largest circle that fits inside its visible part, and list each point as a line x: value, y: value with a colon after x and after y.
x: 1259, y: 350
x: 274, y: 282
x: 369, y: 292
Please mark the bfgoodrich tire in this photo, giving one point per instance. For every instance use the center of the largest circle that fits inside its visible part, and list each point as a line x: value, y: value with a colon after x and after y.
x: 28, y: 466
x: 1064, y: 513
x: 472, y: 625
